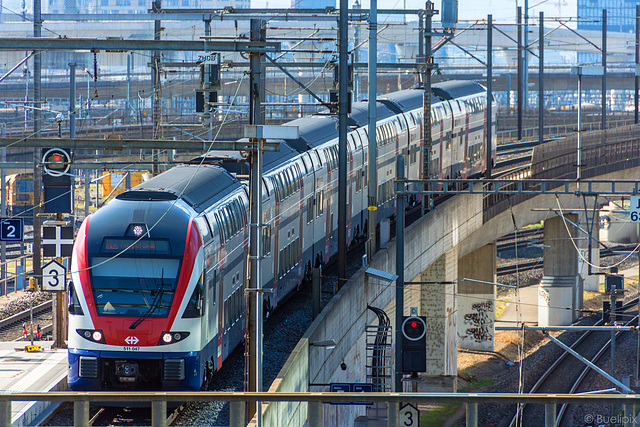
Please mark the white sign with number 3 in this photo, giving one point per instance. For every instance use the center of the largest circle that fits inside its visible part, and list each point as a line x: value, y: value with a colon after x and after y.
x: 409, y: 416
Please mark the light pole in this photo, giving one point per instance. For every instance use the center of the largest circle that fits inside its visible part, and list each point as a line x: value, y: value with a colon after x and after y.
x: 582, y: 71
x: 86, y: 70
x: 59, y: 118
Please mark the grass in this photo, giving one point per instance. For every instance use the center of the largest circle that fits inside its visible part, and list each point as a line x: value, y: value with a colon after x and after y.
x: 439, y: 414
x: 476, y: 384
x: 501, y: 305
x: 536, y: 225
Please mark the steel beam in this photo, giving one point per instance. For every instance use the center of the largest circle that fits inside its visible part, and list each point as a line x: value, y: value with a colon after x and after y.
x: 521, y: 186
x: 284, y: 64
x: 327, y: 14
x: 568, y: 328
x: 42, y: 43
x: 126, y: 144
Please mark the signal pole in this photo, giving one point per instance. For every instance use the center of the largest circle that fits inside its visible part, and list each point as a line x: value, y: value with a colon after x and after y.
x: 372, y: 177
x: 343, y: 60
x: 254, y: 296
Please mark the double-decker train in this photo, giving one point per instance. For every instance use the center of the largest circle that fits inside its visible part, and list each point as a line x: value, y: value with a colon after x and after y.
x: 158, y: 274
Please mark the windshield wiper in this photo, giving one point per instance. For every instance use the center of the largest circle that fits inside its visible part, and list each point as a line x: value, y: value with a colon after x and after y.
x: 154, y: 304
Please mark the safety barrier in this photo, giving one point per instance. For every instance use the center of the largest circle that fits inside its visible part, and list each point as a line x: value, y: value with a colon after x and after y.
x: 315, y: 401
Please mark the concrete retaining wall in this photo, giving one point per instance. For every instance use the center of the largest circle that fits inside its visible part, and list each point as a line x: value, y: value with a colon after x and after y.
x: 345, y: 317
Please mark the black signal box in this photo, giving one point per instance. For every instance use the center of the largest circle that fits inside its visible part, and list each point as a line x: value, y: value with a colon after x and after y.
x: 414, y: 344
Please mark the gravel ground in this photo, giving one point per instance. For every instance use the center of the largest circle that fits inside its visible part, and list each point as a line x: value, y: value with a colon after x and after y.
x: 539, y: 353
x: 22, y: 303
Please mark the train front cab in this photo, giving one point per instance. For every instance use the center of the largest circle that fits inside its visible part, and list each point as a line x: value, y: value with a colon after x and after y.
x: 165, y: 349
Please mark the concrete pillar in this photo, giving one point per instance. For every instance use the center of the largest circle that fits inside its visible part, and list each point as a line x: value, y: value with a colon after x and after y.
x: 438, y: 304
x: 557, y: 293
x: 589, y: 281
x: 476, y: 301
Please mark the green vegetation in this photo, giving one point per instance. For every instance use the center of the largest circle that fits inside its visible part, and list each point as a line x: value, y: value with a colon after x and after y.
x: 439, y: 414
x: 536, y: 225
x: 476, y: 384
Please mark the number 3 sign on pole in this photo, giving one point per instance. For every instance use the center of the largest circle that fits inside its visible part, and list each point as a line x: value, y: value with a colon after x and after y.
x: 53, y: 277
x: 409, y: 416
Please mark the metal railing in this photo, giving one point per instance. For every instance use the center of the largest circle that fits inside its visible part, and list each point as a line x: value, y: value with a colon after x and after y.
x: 12, y: 276
x: 237, y: 400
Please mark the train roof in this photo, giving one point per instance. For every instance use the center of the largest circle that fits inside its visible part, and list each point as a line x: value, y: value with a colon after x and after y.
x: 313, y: 130
x: 360, y: 112
x: 408, y: 100
x: 456, y: 89
x: 232, y: 161
x: 199, y: 186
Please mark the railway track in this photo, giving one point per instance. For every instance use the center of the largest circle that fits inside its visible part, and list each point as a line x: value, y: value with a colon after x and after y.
x: 566, y: 374
x: 537, y: 263
x: 11, y: 328
x: 109, y: 416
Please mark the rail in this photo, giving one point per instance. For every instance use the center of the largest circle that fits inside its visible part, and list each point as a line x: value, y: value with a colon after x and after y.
x: 315, y: 401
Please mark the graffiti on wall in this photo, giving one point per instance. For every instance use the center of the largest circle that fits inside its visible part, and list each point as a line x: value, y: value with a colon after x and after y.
x: 480, y: 322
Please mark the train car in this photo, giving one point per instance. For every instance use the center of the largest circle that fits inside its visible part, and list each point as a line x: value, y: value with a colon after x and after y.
x: 157, y: 299
x: 20, y: 195
x: 114, y: 183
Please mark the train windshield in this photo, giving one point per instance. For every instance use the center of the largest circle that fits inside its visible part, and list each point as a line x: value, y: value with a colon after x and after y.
x: 134, y: 287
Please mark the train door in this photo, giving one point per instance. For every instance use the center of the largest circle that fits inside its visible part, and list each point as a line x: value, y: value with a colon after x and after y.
x: 447, y: 126
x: 211, y: 313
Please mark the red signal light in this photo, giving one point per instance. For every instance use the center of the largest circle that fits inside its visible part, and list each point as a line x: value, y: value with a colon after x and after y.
x: 414, y: 324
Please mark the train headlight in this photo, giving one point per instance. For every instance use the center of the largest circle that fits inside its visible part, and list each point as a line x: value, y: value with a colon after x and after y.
x: 94, y: 335
x: 172, y: 337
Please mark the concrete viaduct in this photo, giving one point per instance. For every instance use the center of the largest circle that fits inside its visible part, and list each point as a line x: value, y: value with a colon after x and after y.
x: 456, y: 240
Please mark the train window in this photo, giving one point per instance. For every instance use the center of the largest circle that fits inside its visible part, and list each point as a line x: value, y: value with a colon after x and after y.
x: 276, y: 187
x: 194, y: 307
x: 266, y: 240
x: 226, y: 314
x: 235, y: 220
x: 292, y: 182
x: 236, y: 306
x: 74, y: 302
x: 223, y: 238
x: 243, y: 211
x: 226, y: 221
x: 239, y: 212
x: 319, y: 203
x: 298, y: 174
x: 366, y: 175
x: 358, y: 180
x: 286, y: 185
x: 310, y: 209
x: 295, y: 178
